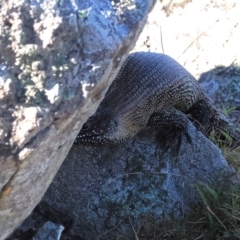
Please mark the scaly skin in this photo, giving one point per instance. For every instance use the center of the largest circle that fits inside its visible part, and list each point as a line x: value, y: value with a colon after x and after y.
x: 151, y: 90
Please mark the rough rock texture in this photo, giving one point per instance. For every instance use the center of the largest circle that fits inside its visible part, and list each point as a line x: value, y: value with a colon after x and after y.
x: 101, y: 193
x: 53, y: 55
x: 222, y: 85
x: 177, y: 34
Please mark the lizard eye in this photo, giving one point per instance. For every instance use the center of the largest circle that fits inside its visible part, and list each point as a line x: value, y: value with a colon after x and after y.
x: 86, y: 126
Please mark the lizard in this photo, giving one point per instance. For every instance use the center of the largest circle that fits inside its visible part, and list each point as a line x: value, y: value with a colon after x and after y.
x: 152, y: 89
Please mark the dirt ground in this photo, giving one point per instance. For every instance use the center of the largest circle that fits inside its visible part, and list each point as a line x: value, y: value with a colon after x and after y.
x: 198, y: 34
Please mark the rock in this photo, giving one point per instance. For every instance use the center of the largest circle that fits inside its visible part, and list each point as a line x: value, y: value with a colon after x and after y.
x: 57, y: 60
x: 222, y: 85
x: 49, y: 231
x: 108, y: 191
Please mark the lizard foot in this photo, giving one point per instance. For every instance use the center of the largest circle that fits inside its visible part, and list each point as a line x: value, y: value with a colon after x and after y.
x: 167, y: 137
x: 174, y: 125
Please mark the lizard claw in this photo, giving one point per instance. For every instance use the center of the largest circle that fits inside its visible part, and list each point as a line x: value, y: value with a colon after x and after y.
x: 174, y: 124
x: 167, y: 137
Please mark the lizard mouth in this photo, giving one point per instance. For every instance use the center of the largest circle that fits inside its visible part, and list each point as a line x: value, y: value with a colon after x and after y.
x: 97, y: 133
x: 88, y: 135
x: 89, y: 139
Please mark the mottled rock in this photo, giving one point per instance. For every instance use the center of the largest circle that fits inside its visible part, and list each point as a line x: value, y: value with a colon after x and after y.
x: 222, y: 85
x: 105, y: 192
x: 57, y: 60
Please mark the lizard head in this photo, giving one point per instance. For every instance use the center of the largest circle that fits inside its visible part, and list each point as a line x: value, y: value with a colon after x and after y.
x: 98, y: 130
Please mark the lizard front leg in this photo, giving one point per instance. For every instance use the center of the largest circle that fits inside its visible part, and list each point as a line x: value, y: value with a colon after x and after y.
x: 174, y: 125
